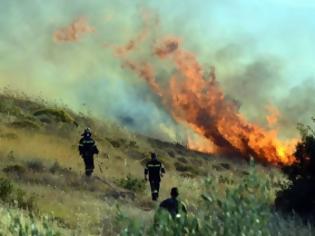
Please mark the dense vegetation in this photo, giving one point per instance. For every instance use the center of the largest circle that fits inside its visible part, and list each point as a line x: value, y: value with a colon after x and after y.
x: 15, y: 222
x: 298, y: 196
x: 243, y: 208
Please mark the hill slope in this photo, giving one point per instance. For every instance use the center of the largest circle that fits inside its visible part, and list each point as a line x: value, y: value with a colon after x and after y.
x: 38, y: 153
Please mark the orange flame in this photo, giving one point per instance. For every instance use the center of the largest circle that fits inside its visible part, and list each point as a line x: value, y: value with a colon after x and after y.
x: 273, y: 116
x: 201, y: 145
x: 145, y: 71
x: 200, y: 104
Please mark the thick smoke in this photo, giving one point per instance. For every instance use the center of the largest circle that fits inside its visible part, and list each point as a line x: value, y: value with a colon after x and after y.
x: 297, y: 106
x: 55, y: 50
x: 68, y: 51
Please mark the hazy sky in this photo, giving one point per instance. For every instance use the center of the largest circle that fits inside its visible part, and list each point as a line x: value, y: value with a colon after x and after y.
x: 282, y: 28
x: 263, y: 51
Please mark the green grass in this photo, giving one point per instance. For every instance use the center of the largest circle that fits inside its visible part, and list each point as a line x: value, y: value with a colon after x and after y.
x: 13, y: 195
x: 226, y: 209
x: 132, y: 183
x: 16, y: 222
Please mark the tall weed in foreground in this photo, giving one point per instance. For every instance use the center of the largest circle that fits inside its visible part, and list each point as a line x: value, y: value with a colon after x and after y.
x: 16, y: 222
x: 243, y: 209
x: 15, y: 196
x: 223, y: 209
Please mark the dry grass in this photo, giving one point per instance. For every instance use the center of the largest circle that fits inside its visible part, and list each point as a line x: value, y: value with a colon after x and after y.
x: 45, y: 162
x: 78, y: 205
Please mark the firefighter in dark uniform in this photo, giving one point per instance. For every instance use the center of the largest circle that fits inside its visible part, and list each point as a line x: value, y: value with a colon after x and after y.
x: 87, y: 149
x: 155, y: 170
x: 175, y: 207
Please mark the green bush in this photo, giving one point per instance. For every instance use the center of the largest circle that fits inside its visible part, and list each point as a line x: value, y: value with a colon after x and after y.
x: 15, y: 196
x: 15, y: 169
x: 242, y: 210
x: 9, y: 107
x: 298, y: 196
x: 6, y: 189
x: 16, y: 222
x: 57, y: 115
x: 223, y: 209
x: 132, y: 183
x: 184, y: 167
x: 35, y: 165
x: 57, y: 168
x: 23, y: 201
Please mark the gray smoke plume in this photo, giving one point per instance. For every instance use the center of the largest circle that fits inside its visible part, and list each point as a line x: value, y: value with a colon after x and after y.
x: 63, y: 51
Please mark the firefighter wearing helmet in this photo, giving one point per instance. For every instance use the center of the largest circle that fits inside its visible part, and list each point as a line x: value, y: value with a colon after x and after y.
x: 155, y: 170
x: 87, y: 149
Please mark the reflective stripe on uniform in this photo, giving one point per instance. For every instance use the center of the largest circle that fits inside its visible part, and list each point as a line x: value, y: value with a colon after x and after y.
x: 87, y: 141
x: 154, y: 165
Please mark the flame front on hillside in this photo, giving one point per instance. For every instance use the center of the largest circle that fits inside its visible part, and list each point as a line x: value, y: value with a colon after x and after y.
x: 197, y: 101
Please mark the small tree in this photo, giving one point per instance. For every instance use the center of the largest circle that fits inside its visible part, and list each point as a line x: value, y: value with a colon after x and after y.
x: 299, y: 196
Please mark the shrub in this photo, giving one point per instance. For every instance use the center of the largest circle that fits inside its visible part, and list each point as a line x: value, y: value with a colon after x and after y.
x: 240, y: 210
x: 35, y: 165
x: 133, y: 144
x: 23, y: 201
x: 57, y: 115
x: 56, y: 168
x: 183, y: 160
x: 183, y: 167
x: 8, y: 106
x: 6, y: 189
x: 15, y: 222
x: 132, y: 183
x: 15, y: 196
x: 298, y: 196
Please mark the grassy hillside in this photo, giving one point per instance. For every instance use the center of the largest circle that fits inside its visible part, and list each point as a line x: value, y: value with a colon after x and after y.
x: 39, y: 160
